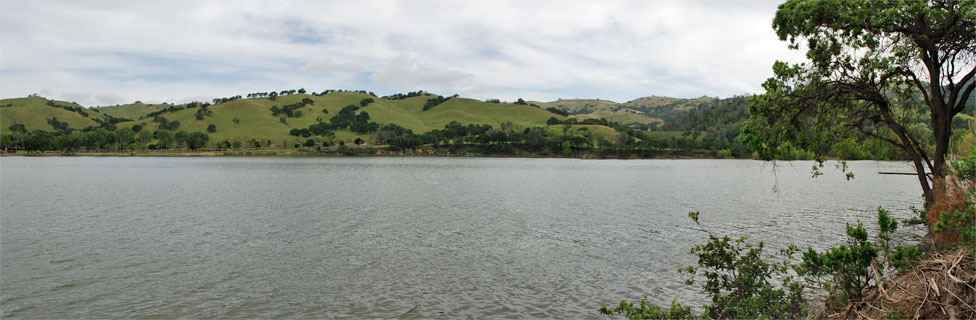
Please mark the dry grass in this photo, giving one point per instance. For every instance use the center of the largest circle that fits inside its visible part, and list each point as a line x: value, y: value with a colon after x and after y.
x: 942, y: 286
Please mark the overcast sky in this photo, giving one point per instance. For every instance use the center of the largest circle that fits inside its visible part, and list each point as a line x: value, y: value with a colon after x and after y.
x: 110, y: 52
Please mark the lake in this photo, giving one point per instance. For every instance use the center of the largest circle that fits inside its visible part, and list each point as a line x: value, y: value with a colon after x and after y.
x: 87, y: 237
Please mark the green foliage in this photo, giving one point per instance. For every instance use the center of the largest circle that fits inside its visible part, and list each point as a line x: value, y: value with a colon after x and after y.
x: 849, y: 149
x: 558, y: 111
x: 846, y: 264
x: 18, y: 127
x: 742, y: 282
x: 965, y: 169
x: 643, y: 310
x: 724, y: 154
x: 864, y: 79
x: 900, y: 257
x: 739, y: 280
x: 904, y: 258
x: 788, y: 152
x: 846, y: 269
x: 291, y: 110
x: 433, y: 102
x: 959, y: 222
x: 196, y: 139
x: 165, y: 124
x: 401, y: 96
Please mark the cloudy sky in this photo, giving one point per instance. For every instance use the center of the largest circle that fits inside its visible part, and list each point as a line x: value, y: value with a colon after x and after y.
x: 110, y: 52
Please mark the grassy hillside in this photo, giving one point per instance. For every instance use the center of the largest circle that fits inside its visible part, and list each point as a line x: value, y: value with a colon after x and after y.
x: 665, y: 107
x: 34, y: 112
x: 597, y: 131
x: 581, y: 106
x: 131, y: 111
x: 257, y: 121
x: 596, y: 109
x: 652, y: 110
x: 474, y: 111
x: 245, y: 119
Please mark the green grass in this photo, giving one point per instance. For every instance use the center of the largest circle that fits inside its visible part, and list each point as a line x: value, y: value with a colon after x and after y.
x: 256, y: 120
x: 597, y: 109
x: 33, y: 113
x: 132, y: 110
x: 577, y: 105
x: 597, y: 131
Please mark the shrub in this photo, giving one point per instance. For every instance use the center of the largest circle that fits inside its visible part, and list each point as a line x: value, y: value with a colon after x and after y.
x: 846, y: 264
x: 953, y: 217
x: 739, y: 280
x: 724, y: 154
x: 648, y: 311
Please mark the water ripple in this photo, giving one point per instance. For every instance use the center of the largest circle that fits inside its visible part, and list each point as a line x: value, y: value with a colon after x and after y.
x: 403, y: 238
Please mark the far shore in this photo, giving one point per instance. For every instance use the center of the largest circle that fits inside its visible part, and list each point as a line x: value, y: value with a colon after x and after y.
x: 352, y: 152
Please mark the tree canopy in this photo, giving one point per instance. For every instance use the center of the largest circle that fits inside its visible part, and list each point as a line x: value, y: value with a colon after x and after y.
x: 895, y: 71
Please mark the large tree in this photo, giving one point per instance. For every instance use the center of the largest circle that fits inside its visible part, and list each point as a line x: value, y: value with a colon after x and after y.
x: 896, y: 70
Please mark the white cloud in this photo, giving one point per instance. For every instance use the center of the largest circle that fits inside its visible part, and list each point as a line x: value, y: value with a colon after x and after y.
x: 320, y: 66
x: 404, y: 72
x: 539, y: 50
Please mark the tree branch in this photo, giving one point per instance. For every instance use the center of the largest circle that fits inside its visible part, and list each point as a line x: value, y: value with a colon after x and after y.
x: 919, y: 85
x: 967, y: 90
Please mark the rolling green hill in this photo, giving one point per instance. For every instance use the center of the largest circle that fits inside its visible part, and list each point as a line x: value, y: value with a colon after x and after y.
x: 34, y: 112
x: 596, y: 109
x: 652, y: 110
x: 640, y: 127
x: 131, y: 111
x: 255, y: 119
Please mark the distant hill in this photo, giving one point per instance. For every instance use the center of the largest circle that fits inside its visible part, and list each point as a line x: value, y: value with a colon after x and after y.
x: 34, y: 113
x: 596, y: 109
x: 662, y: 106
x: 255, y: 120
x: 641, y: 127
x: 654, y: 111
x: 131, y: 111
x: 664, y: 122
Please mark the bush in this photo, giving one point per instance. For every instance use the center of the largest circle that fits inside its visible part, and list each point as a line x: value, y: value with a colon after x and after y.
x: 724, y: 154
x: 648, y: 311
x: 953, y: 217
x: 851, y: 267
x: 848, y: 265
x: 739, y: 281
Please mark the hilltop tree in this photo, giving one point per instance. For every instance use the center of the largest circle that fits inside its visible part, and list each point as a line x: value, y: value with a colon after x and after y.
x: 870, y: 63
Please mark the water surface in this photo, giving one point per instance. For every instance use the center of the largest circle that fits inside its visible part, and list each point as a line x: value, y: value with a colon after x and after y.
x: 394, y: 237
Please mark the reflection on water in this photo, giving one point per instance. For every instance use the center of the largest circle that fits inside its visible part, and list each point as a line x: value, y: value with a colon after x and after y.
x: 393, y: 237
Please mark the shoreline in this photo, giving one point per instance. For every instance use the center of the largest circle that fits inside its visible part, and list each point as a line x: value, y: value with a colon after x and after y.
x: 377, y: 153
